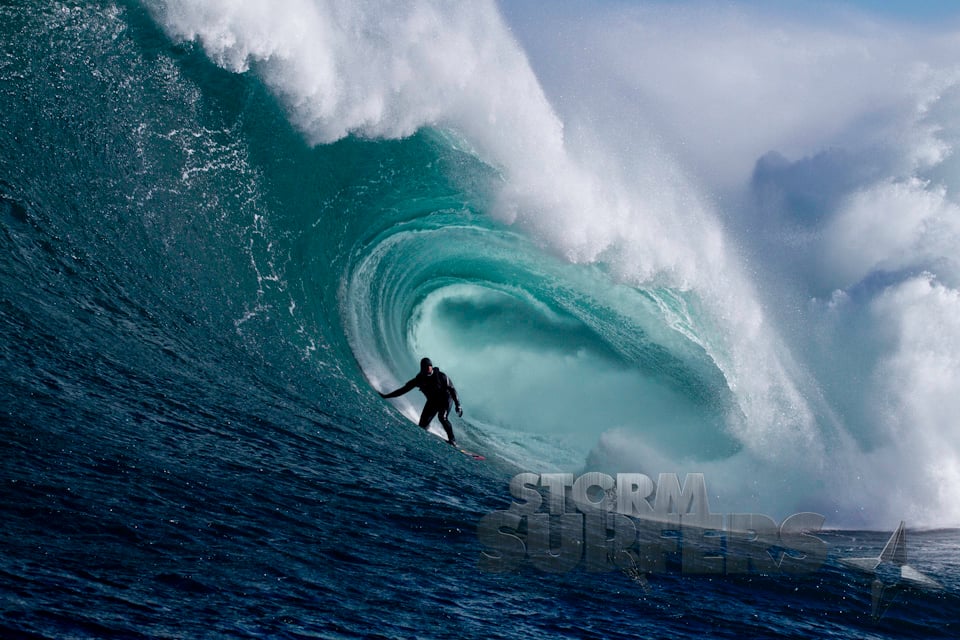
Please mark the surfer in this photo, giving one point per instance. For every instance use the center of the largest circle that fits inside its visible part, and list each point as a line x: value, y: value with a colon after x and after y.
x: 439, y: 390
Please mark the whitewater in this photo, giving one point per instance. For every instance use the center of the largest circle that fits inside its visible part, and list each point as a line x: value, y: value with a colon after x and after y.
x: 639, y: 238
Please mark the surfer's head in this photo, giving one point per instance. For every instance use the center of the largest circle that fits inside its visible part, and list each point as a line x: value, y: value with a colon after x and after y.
x: 426, y: 366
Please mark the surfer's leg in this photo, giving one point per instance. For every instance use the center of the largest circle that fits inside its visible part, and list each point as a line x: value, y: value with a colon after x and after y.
x: 445, y: 421
x: 429, y: 411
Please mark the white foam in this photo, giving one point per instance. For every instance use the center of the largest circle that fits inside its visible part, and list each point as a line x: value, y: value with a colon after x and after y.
x: 379, y: 69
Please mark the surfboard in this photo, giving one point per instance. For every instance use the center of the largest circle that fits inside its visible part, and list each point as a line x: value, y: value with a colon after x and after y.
x: 475, y: 456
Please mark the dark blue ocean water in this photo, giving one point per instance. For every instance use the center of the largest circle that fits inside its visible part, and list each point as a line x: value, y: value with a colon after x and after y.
x: 193, y: 303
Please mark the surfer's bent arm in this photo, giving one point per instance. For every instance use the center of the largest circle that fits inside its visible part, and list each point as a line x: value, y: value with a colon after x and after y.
x: 402, y: 390
x: 453, y: 394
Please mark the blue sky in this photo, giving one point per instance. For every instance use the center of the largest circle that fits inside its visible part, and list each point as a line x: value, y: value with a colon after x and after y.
x: 914, y: 10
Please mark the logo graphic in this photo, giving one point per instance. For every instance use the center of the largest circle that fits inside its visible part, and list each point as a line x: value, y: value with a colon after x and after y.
x: 891, y: 572
x: 631, y: 524
x: 558, y: 523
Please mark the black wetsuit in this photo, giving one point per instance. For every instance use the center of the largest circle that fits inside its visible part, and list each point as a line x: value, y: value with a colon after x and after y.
x: 439, y: 390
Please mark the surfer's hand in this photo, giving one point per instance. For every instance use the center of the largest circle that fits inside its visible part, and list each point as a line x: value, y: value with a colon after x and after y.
x: 459, y: 411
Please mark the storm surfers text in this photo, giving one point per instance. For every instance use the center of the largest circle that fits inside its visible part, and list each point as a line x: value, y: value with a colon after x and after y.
x: 601, y: 524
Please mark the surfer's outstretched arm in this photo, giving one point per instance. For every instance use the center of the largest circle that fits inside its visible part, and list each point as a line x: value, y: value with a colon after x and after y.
x: 402, y: 390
